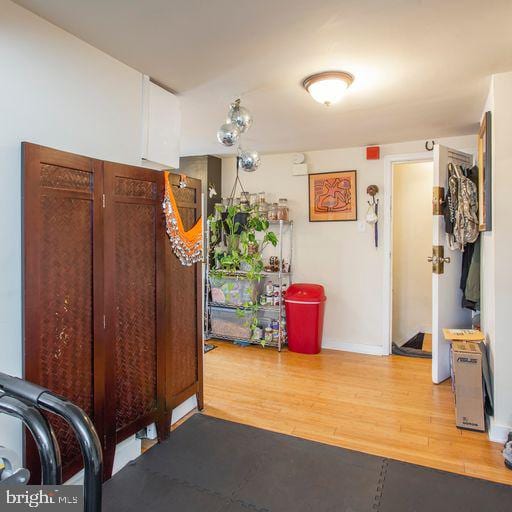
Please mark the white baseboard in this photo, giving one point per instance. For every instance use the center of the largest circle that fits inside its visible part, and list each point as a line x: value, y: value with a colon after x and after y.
x: 498, y: 433
x: 183, y: 409
x: 126, y: 451
x: 359, y: 348
x: 130, y: 448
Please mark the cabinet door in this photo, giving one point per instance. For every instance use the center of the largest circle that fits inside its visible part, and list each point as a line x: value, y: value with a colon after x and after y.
x: 134, y: 300
x: 62, y: 295
x: 184, y: 307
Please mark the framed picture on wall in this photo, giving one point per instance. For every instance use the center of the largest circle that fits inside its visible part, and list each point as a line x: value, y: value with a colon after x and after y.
x: 333, y: 196
x: 484, y: 174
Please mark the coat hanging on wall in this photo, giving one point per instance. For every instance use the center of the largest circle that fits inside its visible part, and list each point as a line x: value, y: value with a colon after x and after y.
x: 187, y: 245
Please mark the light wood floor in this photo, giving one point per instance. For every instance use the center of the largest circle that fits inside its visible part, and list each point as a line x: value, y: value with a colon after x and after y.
x: 386, y: 406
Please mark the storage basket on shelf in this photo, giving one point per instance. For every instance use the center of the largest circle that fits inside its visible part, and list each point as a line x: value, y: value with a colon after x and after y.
x: 231, y: 323
x: 233, y: 290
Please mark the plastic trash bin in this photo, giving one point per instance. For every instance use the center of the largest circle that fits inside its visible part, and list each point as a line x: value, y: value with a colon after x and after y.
x: 304, y: 305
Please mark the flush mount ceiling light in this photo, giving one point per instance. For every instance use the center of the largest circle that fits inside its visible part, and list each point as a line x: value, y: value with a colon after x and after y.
x: 328, y: 87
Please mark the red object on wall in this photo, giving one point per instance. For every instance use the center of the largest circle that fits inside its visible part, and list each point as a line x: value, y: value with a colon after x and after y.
x: 305, y: 317
x: 373, y: 153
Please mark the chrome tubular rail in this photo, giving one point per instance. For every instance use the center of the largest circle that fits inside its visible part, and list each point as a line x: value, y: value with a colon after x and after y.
x: 42, y: 433
x: 80, y: 423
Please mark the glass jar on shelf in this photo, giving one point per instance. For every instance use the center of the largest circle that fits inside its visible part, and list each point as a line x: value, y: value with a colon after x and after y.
x: 261, y: 197
x: 272, y: 212
x: 282, y: 209
x: 263, y: 210
x: 253, y: 199
x: 244, y: 198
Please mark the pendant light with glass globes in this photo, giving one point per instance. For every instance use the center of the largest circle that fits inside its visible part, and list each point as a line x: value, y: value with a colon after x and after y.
x: 328, y: 87
x: 238, y: 122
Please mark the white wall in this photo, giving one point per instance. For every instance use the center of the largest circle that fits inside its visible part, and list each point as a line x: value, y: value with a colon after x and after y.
x: 412, y: 244
x: 56, y: 91
x: 496, y: 256
x: 336, y: 254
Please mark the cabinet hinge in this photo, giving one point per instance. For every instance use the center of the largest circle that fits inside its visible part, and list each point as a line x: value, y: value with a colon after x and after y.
x: 103, y: 200
x: 104, y: 322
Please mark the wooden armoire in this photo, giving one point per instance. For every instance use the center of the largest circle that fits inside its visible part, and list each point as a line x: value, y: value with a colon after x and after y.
x: 112, y: 319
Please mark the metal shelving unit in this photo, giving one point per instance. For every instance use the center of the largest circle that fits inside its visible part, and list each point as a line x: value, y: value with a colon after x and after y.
x: 281, y: 277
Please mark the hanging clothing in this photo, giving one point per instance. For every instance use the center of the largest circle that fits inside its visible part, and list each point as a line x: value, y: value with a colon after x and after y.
x: 472, y: 289
x: 461, y: 212
x: 470, y: 273
x: 450, y: 210
x: 187, y: 245
x: 467, y: 255
x: 466, y: 219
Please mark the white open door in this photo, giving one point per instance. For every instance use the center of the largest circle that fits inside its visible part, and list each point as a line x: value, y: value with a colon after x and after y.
x: 446, y: 293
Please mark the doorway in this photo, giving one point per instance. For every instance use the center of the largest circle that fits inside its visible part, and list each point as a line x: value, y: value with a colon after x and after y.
x: 411, y: 319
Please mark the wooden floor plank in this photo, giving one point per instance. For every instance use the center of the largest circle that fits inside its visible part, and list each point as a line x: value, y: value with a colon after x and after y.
x: 385, y: 406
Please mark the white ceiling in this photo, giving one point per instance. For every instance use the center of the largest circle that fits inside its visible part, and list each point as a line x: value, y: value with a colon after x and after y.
x: 421, y: 66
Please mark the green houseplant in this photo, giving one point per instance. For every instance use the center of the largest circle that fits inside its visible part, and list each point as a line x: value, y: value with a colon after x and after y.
x: 246, y: 237
x: 238, y: 236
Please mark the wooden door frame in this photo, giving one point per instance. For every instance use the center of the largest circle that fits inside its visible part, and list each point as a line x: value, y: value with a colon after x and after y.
x: 387, y: 240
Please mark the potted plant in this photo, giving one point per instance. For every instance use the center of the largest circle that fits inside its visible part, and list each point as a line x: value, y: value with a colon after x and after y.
x: 246, y: 237
x: 236, y: 246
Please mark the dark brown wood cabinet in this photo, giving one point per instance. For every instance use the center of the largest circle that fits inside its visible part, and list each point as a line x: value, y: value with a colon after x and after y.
x: 183, y: 290
x: 111, y: 317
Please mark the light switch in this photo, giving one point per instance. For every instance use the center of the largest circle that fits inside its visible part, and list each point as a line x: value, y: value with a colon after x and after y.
x: 361, y: 226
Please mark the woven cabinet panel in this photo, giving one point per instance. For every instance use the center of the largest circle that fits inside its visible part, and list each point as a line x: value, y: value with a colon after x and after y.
x: 58, y: 177
x: 135, y: 329
x: 183, y: 316
x: 66, y: 307
x: 184, y: 195
x: 130, y: 187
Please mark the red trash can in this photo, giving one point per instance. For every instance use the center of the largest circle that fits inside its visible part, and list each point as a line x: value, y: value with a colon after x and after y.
x: 305, y: 317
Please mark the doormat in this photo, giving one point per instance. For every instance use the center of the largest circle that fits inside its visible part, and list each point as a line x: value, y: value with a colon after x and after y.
x: 412, y: 347
x: 212, y: 465
x: 208, y: 347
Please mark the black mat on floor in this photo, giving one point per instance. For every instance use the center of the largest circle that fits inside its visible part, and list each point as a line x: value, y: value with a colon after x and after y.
x: 211, y: 465
x: 208, y: 347
x: 416, y: 341
x: 412, y: 348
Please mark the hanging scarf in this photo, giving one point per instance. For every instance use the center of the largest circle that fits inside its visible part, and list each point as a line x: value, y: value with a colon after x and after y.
x: 187, y: 245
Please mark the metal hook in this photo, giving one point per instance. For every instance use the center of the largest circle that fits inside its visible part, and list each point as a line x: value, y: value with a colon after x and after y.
x: 430, y: 148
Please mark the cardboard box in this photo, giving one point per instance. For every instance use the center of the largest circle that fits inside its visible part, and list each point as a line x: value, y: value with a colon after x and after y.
x: 468, y: 385
x: 463, y: 335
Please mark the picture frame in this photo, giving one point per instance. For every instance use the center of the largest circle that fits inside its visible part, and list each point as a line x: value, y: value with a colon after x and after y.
x: 332, y: 196
x: 485, y: 174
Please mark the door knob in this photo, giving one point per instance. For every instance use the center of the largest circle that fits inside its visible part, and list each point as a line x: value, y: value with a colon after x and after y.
x: 438, y: 259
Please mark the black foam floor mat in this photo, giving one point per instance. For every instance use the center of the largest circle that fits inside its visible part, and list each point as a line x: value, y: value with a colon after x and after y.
x: 212, y: 465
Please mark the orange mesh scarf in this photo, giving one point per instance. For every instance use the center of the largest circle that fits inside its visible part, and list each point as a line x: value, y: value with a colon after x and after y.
x: 187, y: 245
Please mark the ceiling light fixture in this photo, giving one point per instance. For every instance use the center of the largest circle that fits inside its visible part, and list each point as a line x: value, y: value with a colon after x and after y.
x: 328, y: 87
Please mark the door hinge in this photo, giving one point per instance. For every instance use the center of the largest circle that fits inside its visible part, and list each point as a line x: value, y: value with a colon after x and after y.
x: 438, y: 201
x: 103, y: 199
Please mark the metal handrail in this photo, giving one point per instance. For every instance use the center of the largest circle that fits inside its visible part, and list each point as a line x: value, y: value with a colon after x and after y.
x: 42, y: 432
x: 79, y: 422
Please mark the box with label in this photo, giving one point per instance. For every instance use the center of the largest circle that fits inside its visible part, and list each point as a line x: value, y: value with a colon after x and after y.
x: 468, y: 385
x: 463, y: 335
